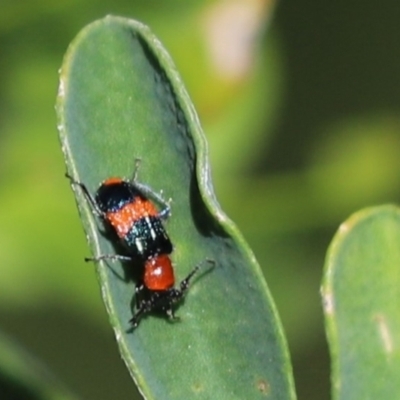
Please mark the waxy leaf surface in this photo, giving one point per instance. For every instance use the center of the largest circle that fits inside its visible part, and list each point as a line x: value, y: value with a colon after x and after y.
x: 361, y: 293
x: 120, y: 98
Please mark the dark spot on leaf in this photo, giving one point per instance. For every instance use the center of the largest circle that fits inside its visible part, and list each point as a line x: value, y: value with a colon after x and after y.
x: 197, y: 387
x: 263, y: 386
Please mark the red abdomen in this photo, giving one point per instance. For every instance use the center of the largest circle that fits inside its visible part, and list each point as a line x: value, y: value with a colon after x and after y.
x: 158, y: 273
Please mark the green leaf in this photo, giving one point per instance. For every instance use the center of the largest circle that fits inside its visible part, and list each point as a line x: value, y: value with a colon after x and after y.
x: 361, y: 294
x: 120, y: 97
x: 22, y: 377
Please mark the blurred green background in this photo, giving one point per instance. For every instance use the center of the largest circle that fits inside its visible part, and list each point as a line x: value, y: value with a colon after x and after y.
x: 299, y: 105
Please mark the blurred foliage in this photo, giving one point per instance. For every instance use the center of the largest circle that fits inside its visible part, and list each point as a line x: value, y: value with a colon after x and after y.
x: 23, y: 378
x: 311, y: 112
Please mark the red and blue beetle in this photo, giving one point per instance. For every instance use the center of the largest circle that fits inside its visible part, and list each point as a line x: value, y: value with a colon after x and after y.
x: 127, y: 208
